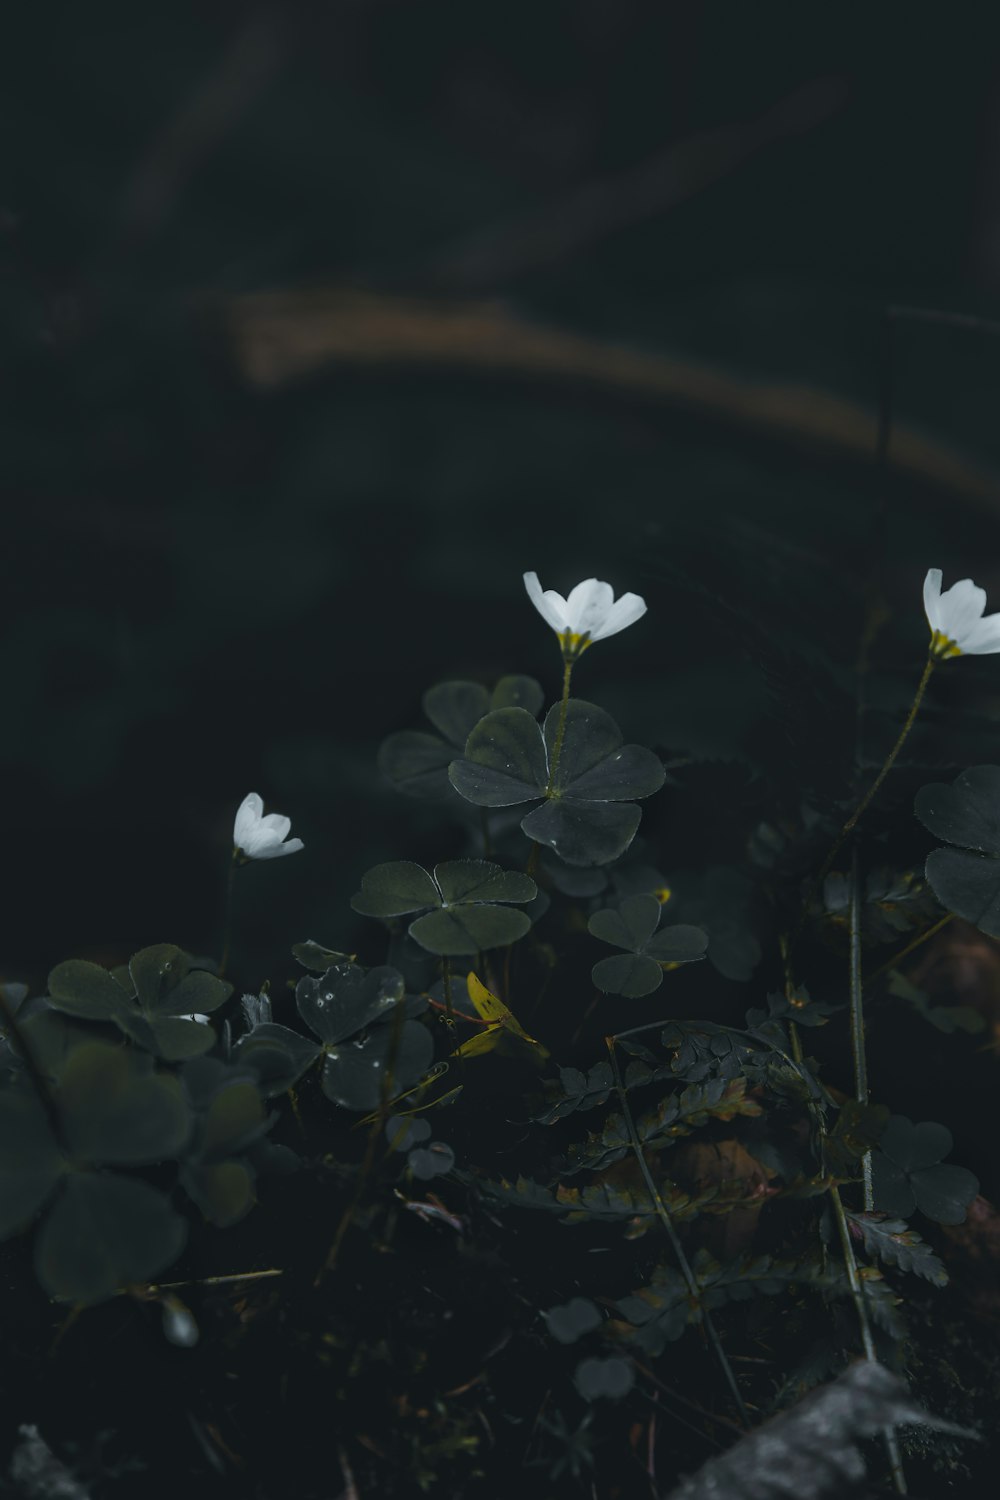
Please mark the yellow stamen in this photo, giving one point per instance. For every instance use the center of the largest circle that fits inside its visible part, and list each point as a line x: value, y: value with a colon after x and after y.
x: 574, y: 645
x: 942, y: 646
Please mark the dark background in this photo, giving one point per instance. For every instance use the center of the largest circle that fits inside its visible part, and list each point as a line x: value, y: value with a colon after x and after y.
x: 232, y: 556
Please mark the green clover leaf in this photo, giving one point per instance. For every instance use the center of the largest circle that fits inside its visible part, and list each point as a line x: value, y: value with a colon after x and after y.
x: 966, y: 879
x: 417, y: 762
x: 588, y: 814
x: 362, y: 1022
x: 151, y: 1001
x: 230, y: 1120
x: 464, y: 893
x: 634, y: 926
x: 103, y: 1229
x: 909, y: 1172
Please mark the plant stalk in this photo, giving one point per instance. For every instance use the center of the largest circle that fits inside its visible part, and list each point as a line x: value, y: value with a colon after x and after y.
x: 685, y: 1265
x: 858, y: 1018
x: 568, y: 663
x: 862, y: 806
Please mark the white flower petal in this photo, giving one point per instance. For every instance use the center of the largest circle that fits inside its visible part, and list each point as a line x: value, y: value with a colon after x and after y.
x: 932, y: 597
x: 550, y: 605
x: 961, y: 609
x: 272, y: 850
x: 277, y: 825
x: 261, y: 837
x: 625, y: 611
x: 588, y: 605
x: 983, y: 638
x: 247, y: 818
x: 590, y: 612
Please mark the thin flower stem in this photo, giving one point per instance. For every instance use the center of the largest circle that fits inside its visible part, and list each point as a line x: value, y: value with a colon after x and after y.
x: 446, y: 986
x: 153, y: 1287
x: 850, y: 1261
x: 568, y: 663
x: 561, y: 726
x: 685, y: 1265
x: 915, y: 943
x: 889, y: 1438
x: 853, y: 1278
x: 862, y: 806
x: 371, y: 1148
x: 858, y: 1018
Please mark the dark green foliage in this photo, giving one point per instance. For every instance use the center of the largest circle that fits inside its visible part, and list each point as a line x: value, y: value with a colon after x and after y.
x: 313, y: 955
x: 402, y: 1132
x: 610, y: 1379
x: 634, y: 926
x: 660, y: 1312
x: 676, y: 1116
x: 277, y: 1056
x: 216, y: 1172
x: 893, y: 902
x: 148, y: 1002
x: 588, y: 814
x: 103, y: 1232
x: 576, y: 1090
x: 856, y: 1130
x: 112, y: 1109
x: 892, y: 1241
x: 797, y: 1007
x: 573, y: 1447
x: 417, y: 762
x: 909, y: 1172
x: 573, y: 1319
x: 464, y: 894
x: 966, y: 879
x: 724, y: 902
x: 367, y: 1040
x: 384, y: 1063
x: 436, y: 1159
x: 345, y: 999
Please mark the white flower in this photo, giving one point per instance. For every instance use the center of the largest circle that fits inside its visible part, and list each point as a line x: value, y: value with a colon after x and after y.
x: 196, y: 1016
x: 956, y: 618
x: 259, y: 837
x: 590, y: 613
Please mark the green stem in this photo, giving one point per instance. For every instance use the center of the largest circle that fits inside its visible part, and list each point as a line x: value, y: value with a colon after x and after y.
x: 446, y: 986
x: 371, y: 1147
x: 862, y: 806
x: 561, y: 726
x: 568, y: 663
x: 889, y: 1438
x: 664, y: 1215
x: 916, y: 942
x: 850, y: 1261
x: 152, y: 1287
x: 858, y: 1019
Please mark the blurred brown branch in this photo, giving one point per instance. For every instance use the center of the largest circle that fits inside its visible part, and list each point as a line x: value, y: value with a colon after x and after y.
x: 281, y: 336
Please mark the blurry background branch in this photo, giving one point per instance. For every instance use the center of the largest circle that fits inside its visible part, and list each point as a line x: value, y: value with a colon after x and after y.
x: 282, y: 336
